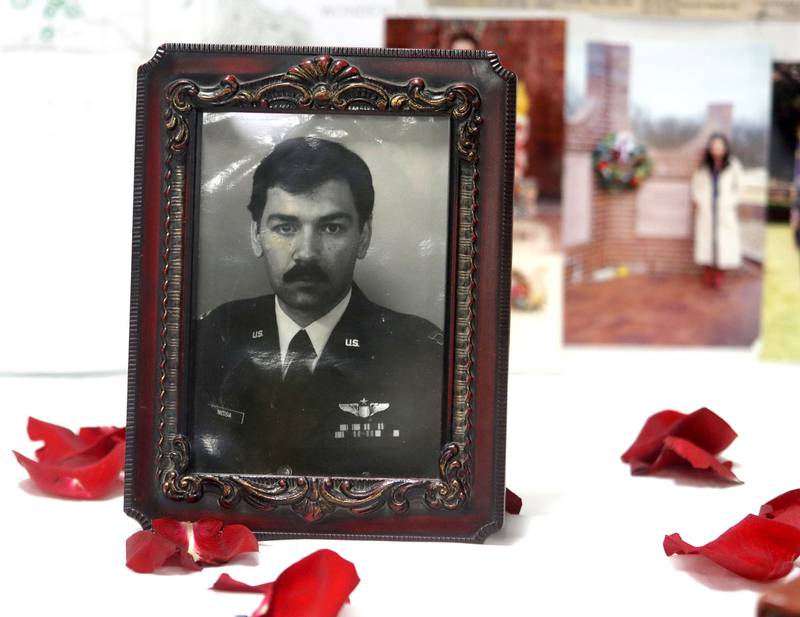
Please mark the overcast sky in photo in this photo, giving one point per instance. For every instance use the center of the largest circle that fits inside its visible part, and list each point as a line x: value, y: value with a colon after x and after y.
x: 680, y: 81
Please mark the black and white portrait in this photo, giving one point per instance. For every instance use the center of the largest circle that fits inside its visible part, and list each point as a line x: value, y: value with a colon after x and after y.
x: 321, y: 253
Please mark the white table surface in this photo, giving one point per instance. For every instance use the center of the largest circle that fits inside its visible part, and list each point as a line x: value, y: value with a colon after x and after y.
x: 588, y: 540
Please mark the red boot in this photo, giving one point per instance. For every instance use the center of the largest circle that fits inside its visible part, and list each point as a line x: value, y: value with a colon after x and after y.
x: 708, y: 276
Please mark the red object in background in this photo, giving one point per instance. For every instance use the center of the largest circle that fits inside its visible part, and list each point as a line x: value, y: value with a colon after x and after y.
x: 86, y: 465
x: 519, y: 290
x: 708, y: 276
x: 713, y: 277
x: 674, y: 439
x: 208, y: 542
x: 761, y: 548
x: 513, y: 502
x: 316, y: 586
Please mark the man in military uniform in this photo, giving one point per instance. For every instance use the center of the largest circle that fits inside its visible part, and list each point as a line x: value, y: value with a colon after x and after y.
x: 315, y: 379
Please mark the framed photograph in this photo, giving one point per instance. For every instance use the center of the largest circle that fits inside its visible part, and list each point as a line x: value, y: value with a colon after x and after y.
x: 320, y: 291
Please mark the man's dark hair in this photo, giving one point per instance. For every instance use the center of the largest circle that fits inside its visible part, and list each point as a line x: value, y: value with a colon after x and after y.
x: 301, y: 164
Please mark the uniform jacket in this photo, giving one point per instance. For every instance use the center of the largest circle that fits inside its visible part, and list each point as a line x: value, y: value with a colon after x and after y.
x: 245, y: 420
x: 716, y: 232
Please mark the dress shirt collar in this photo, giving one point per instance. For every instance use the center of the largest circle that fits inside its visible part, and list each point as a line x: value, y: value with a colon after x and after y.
x: 318, y: 331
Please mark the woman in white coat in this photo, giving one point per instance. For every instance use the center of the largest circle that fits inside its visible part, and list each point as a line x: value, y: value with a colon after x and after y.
x: 716, y: 190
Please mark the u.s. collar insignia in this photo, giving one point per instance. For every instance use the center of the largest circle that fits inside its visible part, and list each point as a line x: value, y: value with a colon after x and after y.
x: 363, y: 408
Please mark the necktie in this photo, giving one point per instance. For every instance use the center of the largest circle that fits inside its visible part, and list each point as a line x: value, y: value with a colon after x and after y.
x: 299, y: 358
x: 295, y: 385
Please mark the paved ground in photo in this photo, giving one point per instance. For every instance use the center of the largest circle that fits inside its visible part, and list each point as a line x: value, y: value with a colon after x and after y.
x: 665, y: 310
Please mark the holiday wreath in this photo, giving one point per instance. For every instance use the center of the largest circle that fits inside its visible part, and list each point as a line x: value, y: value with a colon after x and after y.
x: 620, y: 162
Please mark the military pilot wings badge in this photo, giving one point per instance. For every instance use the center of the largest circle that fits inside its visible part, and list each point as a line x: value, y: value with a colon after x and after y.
x: 363, y: 408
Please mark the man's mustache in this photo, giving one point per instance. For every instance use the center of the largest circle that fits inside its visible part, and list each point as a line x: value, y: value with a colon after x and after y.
x: 306, y: 273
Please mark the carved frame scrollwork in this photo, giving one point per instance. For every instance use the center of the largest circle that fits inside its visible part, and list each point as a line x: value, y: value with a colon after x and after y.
x: 319, y: 84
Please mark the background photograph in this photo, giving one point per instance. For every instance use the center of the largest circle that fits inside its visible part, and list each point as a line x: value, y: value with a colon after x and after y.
x: 629, y: 245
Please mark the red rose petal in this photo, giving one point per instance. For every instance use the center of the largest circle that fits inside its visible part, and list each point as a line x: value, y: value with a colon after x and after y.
x: 92, y: 454
x: 60, y: 443
x: 82, y: 466
x: 79, y: 477
x: 315, y: 586
x: 184, y: 560
x: 263, y: 608
x: 784, y: 508
x: 705, y: 429
x: 227, y: 583
x: 648, y: 442
x: 146, y: 551
x: 91, y: 434
x: 757, y: 548
x: 216, y: 543
x: 677, y: 450
x: 208, y: 541
x: 670, y: 437
x: 513, y: 502
x: 176, y: 531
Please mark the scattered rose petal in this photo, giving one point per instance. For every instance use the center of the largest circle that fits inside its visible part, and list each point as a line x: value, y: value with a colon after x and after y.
x: 77, y: 479
x: 784, y: 508
x: 513, y: 502
x: 227, y: 583
x: 705, y: 429
x: 676, y: 450
x: 670, y: 438
x: 757, y: 548
x: 315, y: 586
x: 60, y: 443
x: 146, y: 551
x: 780, y: 600
x: 649, y: 440
x: 217, y: 543
x: 208, y: 542
x: 86, y: 465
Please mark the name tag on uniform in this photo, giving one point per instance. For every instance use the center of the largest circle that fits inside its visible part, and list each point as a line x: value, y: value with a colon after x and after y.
x: 229, y: 414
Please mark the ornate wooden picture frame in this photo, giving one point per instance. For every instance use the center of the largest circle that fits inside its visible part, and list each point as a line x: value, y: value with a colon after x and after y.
x: 462, y: 499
